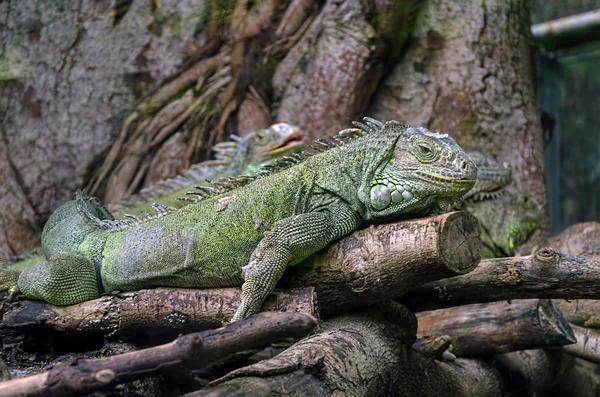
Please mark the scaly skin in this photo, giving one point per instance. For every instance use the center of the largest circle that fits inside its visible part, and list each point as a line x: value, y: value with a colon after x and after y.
x: 492, y: 177
x: 250, y: 233
x: 506, y: 223
x: 243, y: 156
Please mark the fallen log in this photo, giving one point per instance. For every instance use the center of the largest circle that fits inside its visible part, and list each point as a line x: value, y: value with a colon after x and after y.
x: 582, y: 312
x: 579, y: 239
x: 191, y: 351
x: 370, y: 265
x: 547, y: 274
x: 587, y: 346
x: 500, y: 327
x: 363, y: 354
x: 155, y: 311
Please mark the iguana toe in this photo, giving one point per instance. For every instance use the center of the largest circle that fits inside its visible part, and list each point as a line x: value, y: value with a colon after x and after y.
x: 8, y: 279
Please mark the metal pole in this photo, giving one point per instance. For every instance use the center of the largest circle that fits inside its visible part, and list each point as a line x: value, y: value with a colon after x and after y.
x: 568, y: 31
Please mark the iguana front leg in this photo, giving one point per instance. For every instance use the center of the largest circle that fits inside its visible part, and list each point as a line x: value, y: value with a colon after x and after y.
x: 288, y: 242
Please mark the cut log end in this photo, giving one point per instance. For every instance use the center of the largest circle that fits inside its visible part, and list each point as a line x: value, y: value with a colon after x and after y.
x: 458, y: 249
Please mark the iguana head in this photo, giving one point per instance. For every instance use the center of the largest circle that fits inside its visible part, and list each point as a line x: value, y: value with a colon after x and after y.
x: 419, y: 172
x: 492, y: 177
x: 506, y: 222
x: 263, y: 147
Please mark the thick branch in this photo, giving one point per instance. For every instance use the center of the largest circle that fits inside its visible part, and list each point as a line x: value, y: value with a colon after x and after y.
x: 547, y: 274
x: 189, y: 351
x: 371, y: 265
x: 360, y: 355
x: 155, y: 311
x: 579, y: 239
x: 386, y: 261
x: 582, y: 312
x: 498, y: 327
x: 587, y: 346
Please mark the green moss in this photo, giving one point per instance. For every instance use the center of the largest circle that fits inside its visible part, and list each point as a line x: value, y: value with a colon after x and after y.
x: 11, y: 68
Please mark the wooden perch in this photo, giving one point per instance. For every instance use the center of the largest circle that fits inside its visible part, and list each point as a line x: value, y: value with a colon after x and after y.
x: 547, y: 274
x: 498, y: 327
x: 385, y: 261
x: 579, y: 239
x: 582, y: 312
x: 190, y: 351
x: 370, y: 265
x: 155, y: 311
x: 361, y: 355
x: 587, y: 346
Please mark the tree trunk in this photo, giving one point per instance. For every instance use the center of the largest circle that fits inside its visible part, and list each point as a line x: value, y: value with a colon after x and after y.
x: 76, y: 75
x: 468, y: 73
x: 323, y: 58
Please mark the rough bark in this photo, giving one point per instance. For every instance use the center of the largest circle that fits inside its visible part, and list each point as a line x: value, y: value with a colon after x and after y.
x: 334, y: 69
x: 500, y: 327
x: 193, y: 351
x: 579, y: 239
x: 152, y: 312
x: 547, y: 274
x: 363, y: 355
x: 385, y: 261
x: 77, y: 76
x: 468, y: 73
x: 582, y: 312
x: 587, y: 346
x: 371, y: 265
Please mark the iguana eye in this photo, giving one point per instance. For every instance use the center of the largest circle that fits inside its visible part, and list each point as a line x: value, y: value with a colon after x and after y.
x: 425, y: 151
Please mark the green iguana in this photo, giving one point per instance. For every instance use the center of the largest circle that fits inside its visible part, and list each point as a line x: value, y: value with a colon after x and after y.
x: 492, y: 177
x: 241, y: 156
x: 248, y: 230
x: 506, y: 222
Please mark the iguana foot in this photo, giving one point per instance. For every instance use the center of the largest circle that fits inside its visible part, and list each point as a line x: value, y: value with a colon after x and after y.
x: 8, y: 280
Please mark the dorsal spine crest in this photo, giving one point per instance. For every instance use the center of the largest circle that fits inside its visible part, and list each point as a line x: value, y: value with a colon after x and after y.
x: 320, y: 145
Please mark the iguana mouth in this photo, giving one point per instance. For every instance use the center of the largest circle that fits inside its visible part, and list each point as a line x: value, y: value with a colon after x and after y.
x: 432, y: 176
x: 292, y: 141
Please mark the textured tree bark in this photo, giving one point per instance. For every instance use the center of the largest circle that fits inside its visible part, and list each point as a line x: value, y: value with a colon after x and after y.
x: 75, y: 78
x: 582, y: 312
x: 547, y: 274
x: 362, y: 355
x: 579, y: 239
x: 468, y: 73
x: 500, y: 327
x: 386, y: 261
x: 196, y: 351
x: 151, y: 312
x: 371, y: 265
x: 587, y: 346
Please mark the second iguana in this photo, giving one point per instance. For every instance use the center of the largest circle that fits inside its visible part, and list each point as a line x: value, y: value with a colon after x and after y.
x: 507, y: 219
x: 247, y: 231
